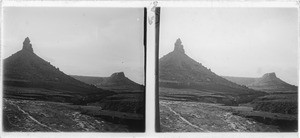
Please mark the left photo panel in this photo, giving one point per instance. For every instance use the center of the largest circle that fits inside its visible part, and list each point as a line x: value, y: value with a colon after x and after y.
x: 73, y: 69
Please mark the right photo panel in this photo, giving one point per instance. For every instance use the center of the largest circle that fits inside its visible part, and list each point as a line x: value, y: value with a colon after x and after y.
x: 227, y: 69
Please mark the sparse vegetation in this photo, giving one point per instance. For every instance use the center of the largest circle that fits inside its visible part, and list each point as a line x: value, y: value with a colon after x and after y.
x: 277, y: 103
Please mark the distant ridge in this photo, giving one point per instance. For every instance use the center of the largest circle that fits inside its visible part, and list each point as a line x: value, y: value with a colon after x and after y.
x: 116, y: 82
x: 26, y: 69
x: 178, y: 70
x: 269, y: 82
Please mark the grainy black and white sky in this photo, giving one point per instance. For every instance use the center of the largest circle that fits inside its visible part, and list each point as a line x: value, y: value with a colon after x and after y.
x: 243, y: 42
x: 80, y: 41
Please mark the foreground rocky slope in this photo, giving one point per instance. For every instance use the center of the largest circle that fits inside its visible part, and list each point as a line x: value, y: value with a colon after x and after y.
x: 31, y: 116
x: 178, y: 116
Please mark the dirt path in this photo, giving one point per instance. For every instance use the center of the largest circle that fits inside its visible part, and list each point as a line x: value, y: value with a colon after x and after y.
x: 182, y: 118
x: 32, y: 118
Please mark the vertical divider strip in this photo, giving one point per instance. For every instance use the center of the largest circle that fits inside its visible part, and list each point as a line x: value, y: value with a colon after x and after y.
x: 157, y: 113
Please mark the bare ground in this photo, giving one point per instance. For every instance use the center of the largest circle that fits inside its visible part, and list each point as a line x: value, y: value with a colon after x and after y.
x: 178, y: 116
x: 29, y: 116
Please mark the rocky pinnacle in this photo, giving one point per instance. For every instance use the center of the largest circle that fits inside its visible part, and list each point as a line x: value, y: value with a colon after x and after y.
x: 178, y: 46
x: 27, y: 45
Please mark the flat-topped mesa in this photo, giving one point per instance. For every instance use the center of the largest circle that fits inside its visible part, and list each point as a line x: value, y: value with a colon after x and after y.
x: 118, y: 75
x: 27, y: 45
x: 269, y: 76
x: 178, y: 46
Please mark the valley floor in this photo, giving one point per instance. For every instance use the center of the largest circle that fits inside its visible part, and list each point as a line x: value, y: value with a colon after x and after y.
x: 184, y: 116
x: 29, y: 116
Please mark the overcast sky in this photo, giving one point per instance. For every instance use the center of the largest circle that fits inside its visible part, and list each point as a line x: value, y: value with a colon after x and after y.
x: 244, y: 42
x: 80, y: 41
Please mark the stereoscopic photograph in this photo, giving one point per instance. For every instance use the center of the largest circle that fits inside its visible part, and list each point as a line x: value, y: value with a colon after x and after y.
x: 73, y: 69
x: 227, y: 69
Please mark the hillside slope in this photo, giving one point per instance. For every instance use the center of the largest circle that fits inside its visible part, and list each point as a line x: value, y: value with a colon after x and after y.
x: 269, y: 82
x: 117, y: 81
x: 26, y: 69
x: 178, y: 70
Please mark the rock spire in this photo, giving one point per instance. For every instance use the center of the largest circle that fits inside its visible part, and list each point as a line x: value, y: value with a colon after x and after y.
x: 27, y: 45
x: 178, y: 46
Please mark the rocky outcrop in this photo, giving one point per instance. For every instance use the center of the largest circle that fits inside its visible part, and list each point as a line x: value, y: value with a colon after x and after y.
x: 269, y: 76
x: 118, y: 75
x: 27, y: 46
x: 269, y: 82
x: 267, y: 79
x: 116, y: 82
x: 178, y: 46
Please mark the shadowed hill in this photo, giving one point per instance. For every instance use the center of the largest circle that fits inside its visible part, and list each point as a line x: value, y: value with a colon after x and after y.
x: 117, y: 81
x: 31, y: 82
x: 26, y: 69
x: 178, y: 70
x: 129, y: 97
